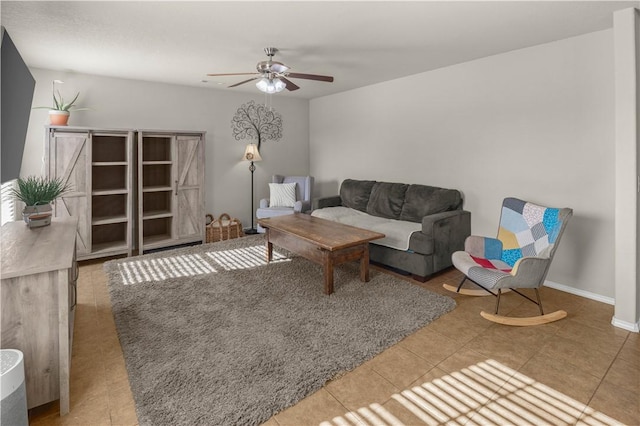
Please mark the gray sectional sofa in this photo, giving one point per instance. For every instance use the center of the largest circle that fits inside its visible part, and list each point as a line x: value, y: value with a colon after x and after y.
x: 423, y: 224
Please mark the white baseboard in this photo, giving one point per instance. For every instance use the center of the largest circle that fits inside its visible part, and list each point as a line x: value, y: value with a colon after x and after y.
x: 581, y: 293
x: 629, y: 326
x: 625, y: 325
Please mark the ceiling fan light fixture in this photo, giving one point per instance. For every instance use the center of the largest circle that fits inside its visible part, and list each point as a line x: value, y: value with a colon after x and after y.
x: 267, y: 85
x: 279, y: 84
x: 274, y: 76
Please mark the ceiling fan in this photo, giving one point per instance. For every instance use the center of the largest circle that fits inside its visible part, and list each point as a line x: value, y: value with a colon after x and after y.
x: 273, y: 76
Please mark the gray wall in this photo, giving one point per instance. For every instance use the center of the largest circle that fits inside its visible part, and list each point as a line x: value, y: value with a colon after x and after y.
x: 120, y: 103
x: 536, y: 123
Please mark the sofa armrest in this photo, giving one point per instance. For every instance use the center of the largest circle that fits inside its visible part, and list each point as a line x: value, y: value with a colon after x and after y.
x: 322, y: 202
x: 304, y: 206
x: 485, y: 247
x: 264, y: 203
x: 449, y: 231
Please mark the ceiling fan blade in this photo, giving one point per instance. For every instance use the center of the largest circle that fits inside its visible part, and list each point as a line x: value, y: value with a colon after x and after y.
x: 243, y: 82
x: 290, y: 84
x: 326, y: 78
x: 236, y: 73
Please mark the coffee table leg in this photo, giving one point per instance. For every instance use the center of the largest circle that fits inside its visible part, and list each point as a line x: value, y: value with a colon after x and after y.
x: 327, y: 263
x: 269, y: 251
x: 364, y: 264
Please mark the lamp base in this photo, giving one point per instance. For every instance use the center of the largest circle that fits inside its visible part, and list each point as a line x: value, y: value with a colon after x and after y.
x: 251, y: 231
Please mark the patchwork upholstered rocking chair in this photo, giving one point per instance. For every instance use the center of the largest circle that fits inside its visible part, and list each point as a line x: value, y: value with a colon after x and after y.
x: 519, y: 258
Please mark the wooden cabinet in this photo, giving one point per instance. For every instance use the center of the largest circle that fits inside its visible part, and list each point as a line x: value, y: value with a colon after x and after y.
x: 38, y: 298
x: 98, y: 165
x: 162, y: 204
x: 170, y: 189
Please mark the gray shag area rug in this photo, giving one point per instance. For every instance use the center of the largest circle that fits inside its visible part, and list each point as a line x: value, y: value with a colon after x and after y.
x: 212, y: 335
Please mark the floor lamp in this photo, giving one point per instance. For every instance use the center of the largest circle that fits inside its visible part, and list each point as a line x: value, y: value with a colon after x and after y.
x: 252, y: 154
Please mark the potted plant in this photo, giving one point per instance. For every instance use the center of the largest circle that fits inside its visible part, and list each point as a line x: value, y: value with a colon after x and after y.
x: 60, y: 111
x: 37, y: 193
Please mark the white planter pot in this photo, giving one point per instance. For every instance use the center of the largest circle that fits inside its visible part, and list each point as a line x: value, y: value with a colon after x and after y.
x: 36, y: 216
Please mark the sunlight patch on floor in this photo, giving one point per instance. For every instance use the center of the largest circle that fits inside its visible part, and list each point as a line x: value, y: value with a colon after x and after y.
x: 159, y: 269
x: 244, y: 258
x: 485, y: 393
x: 138, y: 271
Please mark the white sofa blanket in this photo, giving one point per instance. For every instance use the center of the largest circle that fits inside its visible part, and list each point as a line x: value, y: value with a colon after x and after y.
x: 397, y: 232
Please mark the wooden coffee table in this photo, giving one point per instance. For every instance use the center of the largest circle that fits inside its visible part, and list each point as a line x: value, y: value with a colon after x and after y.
x: 322, y: 241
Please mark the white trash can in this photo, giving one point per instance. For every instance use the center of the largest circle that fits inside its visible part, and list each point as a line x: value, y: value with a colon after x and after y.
x: 13, y: 404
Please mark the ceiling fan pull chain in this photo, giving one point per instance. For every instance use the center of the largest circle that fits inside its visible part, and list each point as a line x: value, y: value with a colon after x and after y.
x: 268, y: 101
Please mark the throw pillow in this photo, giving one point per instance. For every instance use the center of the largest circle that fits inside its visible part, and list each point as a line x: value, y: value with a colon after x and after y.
x: 282, y: 194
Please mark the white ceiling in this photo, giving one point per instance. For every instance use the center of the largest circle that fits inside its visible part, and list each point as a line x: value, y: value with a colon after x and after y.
x: 359, y: 43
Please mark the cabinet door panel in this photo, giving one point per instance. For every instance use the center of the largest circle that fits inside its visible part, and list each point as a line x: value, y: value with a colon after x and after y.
x: 30, y: 324
x: 190, y: 173
x: 189, y: 216
x: 69, y: 159
x: 188, y: 152
x: 77, y: 206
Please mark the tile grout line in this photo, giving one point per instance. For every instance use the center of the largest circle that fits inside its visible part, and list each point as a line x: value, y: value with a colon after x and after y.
x: 588, y: 404
x: 516, y: 371
x: 348, y: 410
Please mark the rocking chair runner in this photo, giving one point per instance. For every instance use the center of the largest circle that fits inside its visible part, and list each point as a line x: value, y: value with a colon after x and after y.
x: 518, y: 258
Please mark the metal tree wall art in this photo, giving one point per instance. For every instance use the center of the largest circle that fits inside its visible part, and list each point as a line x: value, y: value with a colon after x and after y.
x: 256, y: 122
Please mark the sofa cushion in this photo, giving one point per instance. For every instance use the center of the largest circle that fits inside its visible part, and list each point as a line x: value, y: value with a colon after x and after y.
x: 386, y: 199
x: 355, y: 193
x: 422, y: 200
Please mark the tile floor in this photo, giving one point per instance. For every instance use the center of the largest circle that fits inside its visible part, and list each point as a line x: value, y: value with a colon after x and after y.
x: 460, y: 369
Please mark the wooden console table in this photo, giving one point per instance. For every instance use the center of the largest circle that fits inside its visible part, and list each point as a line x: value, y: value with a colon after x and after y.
x: 38, y: 277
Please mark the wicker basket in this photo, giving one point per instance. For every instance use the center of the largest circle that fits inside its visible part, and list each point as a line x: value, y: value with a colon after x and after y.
x: 223, y: 228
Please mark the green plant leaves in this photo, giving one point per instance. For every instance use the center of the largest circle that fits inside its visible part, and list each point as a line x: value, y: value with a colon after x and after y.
x: 60, y: 105
x: 35, y: 190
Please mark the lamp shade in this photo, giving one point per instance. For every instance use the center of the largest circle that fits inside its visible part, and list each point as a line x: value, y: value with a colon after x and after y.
x: 270, y: 85
x: 251, y: 153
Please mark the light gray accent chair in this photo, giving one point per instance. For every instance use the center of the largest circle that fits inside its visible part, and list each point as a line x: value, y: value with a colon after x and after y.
x: 304, y: 193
